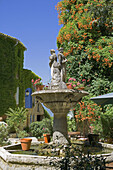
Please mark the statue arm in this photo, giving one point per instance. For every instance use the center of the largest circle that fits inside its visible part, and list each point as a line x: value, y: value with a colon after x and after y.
x: 50, y: 61
x: 60, y: 59
x: 64, y: 61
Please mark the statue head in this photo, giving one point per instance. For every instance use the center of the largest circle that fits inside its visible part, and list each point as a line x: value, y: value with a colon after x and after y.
x: 52, y: 51
x: 61, y: 49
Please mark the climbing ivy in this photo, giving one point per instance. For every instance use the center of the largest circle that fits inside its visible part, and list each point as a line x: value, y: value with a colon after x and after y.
x: 12, y: 74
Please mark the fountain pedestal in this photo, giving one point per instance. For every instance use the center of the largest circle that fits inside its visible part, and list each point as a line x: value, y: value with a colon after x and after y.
x: 60, y: 128
x: 60, y: 101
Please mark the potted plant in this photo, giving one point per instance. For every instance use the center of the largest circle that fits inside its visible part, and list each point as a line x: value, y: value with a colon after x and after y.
x: 46, y: 135
x: 25, y: 142
x: 74, y: 84
x: 46, y: 88
x: 40, y: 138
x: 38, y: 129
x: 38, y: 84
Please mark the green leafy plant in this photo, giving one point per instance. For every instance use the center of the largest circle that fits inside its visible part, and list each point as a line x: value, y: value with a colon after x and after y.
x: 76, y: 84
x: 107, y: 123
x: 37, y: 129
x: 76, y: 159
x: 36, y: 82
x: 22, y: 134
x: 71, y: 124
x: 3, y: 135
x: 46, y: 88
x: 16, y: 118
x: 87, y: 114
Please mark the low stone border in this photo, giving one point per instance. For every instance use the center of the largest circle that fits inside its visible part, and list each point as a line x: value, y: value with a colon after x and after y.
x: 20, y: 158
x: 106, y: 145
x: 11, y: 161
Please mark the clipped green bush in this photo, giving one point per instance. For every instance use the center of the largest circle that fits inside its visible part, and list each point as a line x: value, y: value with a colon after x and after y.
x: 37, y: 129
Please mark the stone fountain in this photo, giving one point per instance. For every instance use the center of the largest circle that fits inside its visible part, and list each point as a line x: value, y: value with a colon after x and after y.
x: 58, y: 98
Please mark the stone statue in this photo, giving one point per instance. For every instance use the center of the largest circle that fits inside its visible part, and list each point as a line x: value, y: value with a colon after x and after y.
x: 57, y: 70
x: 51, y: 60
x: 62, y: 62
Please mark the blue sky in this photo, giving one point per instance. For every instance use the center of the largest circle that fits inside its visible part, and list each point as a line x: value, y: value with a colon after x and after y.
x: 35, y: 24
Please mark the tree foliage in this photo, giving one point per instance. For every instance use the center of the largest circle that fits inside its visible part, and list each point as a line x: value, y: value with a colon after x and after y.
x: 86, y: 36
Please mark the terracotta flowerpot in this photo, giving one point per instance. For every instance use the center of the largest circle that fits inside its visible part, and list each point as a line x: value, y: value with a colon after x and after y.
x: 81, y: 88
x: 39, y: 87
x: 46, y: 138
x: 25, y: 143
x: 41, y: 139
x: 69, y: 86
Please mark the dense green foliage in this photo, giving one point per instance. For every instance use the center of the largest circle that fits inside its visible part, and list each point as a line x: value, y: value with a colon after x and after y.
x: 71, y: 124
x: 9, y: 60
x: 87, y: 39
x: 3, y: 135
x: 107, y: 123
x: 75, y: 159
x: 86, y: 36
x: 12, y: 74
x: 37, y: 129
x: 16, y: 118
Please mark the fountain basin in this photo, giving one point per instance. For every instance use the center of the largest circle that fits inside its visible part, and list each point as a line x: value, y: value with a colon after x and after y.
x: 60, y: 101
x: 20, y: 161
x: 65, y: 98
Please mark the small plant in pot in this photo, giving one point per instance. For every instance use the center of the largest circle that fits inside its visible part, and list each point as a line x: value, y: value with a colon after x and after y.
x: 38, y: 85
x: 74, y: 84
x: 45, y: 126
x: 46, y: 135
x: 25, y: 142
x: 46, y: 88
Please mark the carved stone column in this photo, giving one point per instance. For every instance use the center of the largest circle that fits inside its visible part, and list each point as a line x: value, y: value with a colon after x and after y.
x: 60, y: 128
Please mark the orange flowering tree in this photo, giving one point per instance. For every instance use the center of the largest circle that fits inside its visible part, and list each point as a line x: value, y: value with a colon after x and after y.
x: 87, y: 115
x: 86, y: 36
